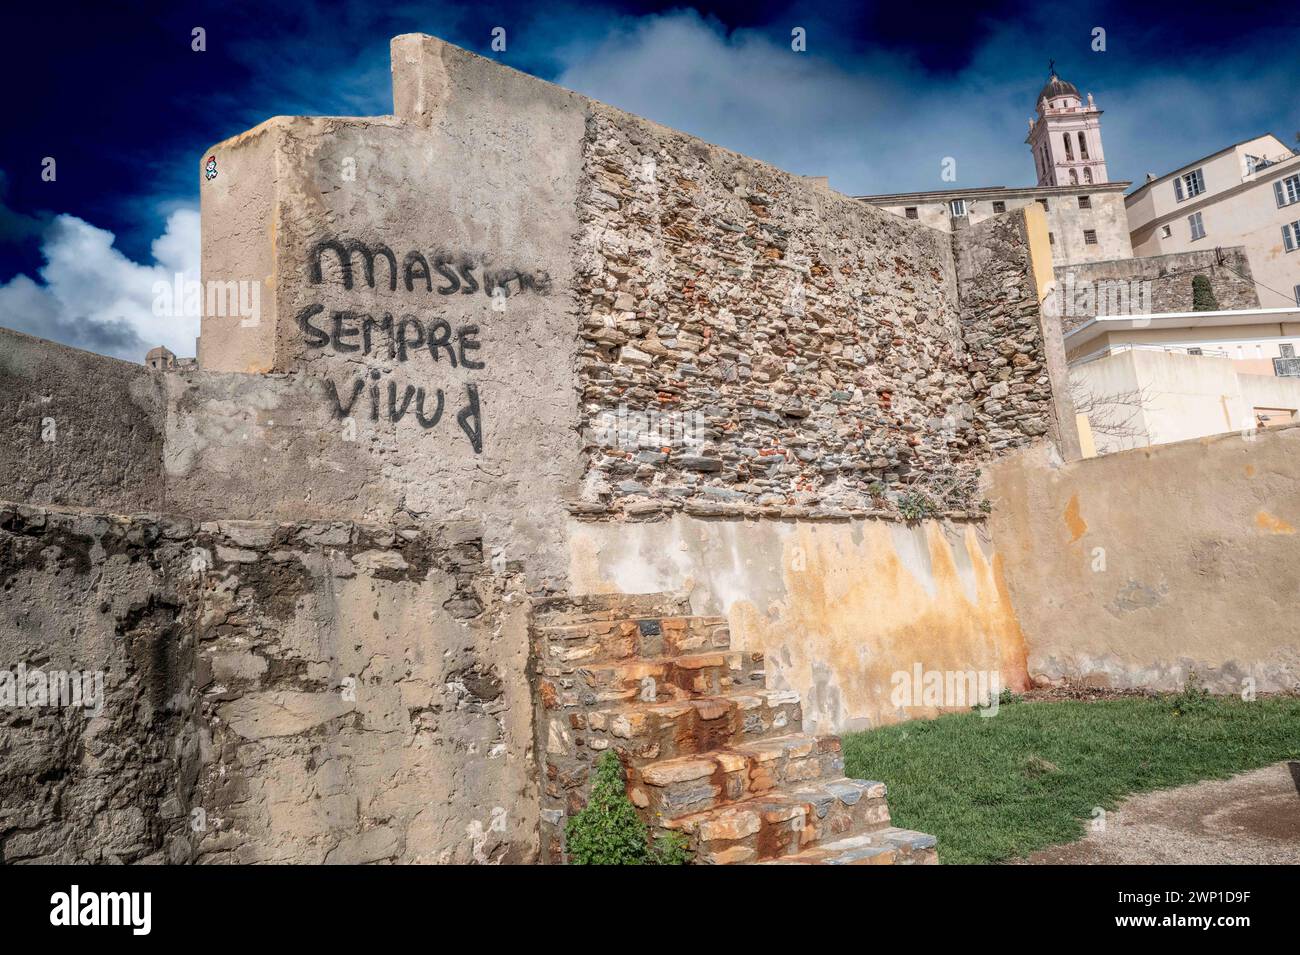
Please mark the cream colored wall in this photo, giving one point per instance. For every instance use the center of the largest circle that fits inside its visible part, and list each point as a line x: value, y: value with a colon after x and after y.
x: 1139, y: 569
x: 836, y: 607
x: 1065, y: 220
x: 1249, y: 217
x: 1182, y: 396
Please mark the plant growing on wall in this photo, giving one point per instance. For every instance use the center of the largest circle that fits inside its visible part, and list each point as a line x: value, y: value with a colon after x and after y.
x: 915, y: 506
x: 609, y: 832
x: 1203, y: 297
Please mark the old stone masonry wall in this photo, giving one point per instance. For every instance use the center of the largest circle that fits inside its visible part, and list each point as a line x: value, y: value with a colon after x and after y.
x: 753, y: 343
x: 245, y: 691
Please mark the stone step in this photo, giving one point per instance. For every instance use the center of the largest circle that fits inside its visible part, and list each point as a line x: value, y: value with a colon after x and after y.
x: 563, y: 609
x: 671, y: 788
x: 785, y: 822
x: 655, y: 731
x: 887, y: 846
x: 690, y: 676
x: 598, y: 641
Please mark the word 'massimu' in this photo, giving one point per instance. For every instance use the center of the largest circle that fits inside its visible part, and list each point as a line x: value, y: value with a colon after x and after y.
x: 75, y: 907
x: 444, y: 273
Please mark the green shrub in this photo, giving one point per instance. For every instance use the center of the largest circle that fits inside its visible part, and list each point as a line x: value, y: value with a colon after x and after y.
x: 671, y: 848
x: 609, y: 832
x: 1203, y: 297
x: 1193, y: 697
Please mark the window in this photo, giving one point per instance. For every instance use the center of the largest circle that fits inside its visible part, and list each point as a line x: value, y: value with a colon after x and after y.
x: 1083, y: 146
x: 1291, y: 235
x: 1043, y: 203
x: 1297, y: 294
x: 1287, y: 190
x: 1069, y: 150
x: 1051, y: 238
x: 1189, y: 185
x: 910, y: 212
x: 1166, y: 231
x: 1087, y: 175
x: 1089, y: 236
x: 999, y: 206
x: 1085, y: 202
x: 1195, y: 351
x: 958, y: 207
x: 1197, y: 226
x: 1074, y: 177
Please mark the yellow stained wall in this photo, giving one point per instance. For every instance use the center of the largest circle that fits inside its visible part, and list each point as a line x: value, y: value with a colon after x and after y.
x: 836, y: 608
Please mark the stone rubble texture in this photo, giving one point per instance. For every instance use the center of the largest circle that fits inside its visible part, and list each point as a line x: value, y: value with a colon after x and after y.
x: 818, y: 343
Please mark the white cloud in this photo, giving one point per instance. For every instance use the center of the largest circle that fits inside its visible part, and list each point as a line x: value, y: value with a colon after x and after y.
x: 94, y: 297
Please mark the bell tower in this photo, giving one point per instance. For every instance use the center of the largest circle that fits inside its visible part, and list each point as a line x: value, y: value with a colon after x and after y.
x: 1065, y: 138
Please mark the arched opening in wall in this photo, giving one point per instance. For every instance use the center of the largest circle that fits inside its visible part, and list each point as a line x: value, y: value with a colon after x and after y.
x: 1069, y: 150
x: 1083, y: 146
x: 1074, y: 177
x: 1087, y: 175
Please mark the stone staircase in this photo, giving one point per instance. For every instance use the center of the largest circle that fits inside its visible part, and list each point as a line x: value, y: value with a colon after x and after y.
x: 708, y: 750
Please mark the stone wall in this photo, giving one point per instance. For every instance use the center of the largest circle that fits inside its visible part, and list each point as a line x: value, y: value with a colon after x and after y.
x: 328, y: 692
x: 751, y: 340
x: 484, y: 317
x: 1017, y: 356
x: 1154, y: 285
x: 1116, y: 585
x: 79, y: 428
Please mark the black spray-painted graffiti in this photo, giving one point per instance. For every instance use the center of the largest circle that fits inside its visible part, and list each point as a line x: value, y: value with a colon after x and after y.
x: 406, y: 337
x: 455, y: 272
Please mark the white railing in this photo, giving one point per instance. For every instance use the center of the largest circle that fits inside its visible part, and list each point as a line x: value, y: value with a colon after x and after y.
x: 1194, y: 350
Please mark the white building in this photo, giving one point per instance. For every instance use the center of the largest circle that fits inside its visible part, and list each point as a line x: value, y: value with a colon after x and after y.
x: 1140, y: 380
x: 1247, y: 194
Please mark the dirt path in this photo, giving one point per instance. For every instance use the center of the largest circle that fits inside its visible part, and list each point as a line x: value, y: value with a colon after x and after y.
x: 1251, y: 818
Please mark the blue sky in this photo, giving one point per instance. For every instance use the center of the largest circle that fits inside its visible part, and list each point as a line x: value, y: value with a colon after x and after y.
x: 883, y: 93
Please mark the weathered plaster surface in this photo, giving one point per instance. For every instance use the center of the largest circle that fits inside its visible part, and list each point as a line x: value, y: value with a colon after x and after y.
x: 325, y: 692
x: 836, y: 607
x: 1139, y: 568
x: 78, y: 428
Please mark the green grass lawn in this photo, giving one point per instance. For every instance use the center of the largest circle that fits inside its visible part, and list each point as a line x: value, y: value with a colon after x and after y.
x: 995, y: 788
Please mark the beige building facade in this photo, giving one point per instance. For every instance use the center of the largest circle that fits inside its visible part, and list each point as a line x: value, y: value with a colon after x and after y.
x: 1086, y: 217
x: 1247, y: 194
x: 1085, y: 224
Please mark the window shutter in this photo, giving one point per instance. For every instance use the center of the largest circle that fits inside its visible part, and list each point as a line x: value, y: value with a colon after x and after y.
x: 1277, y: 191
x: 1178, y: 188
x: 1286, y: 238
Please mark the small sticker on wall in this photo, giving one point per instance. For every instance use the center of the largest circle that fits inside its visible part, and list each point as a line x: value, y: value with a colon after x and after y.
x: 210, y: 170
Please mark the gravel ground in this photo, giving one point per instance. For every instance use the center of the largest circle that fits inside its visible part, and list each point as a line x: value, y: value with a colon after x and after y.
x: 1248, y: 819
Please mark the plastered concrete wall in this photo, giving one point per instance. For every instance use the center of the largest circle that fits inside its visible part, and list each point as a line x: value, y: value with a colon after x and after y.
x: 837, y: 607
x: 79, y: 428
x: 1163, y: 397
x: 326, y: 692
x: 384, y: 239
x: 1138, y: 568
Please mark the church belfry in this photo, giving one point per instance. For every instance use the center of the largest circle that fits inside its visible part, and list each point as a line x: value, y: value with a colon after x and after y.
x: 1065, y: 139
